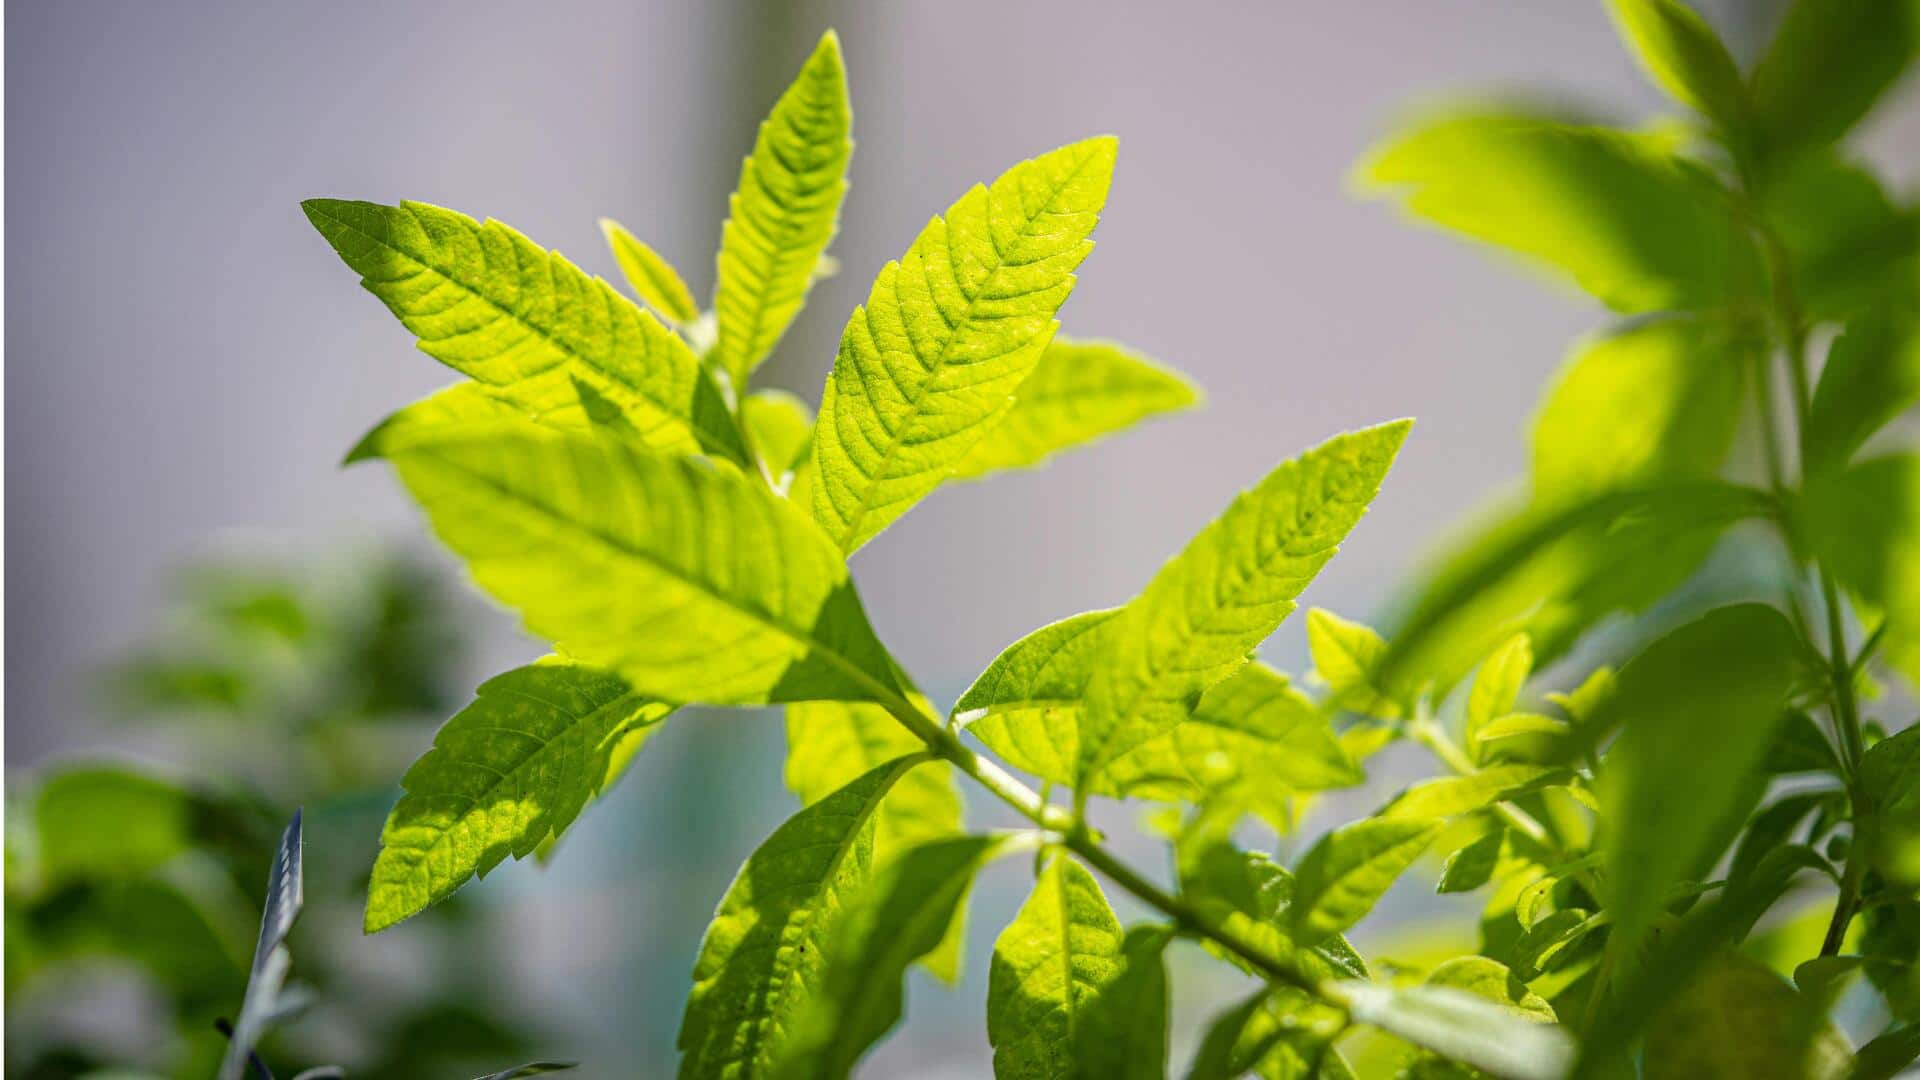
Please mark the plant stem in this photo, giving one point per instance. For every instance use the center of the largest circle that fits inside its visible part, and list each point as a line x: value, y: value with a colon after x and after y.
x: 1430, y: 735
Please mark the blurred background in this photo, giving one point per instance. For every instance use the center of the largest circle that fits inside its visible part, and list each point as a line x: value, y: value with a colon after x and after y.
x: 189, y: 361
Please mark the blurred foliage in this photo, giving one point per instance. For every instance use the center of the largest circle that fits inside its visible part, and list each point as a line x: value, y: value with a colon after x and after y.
x: 133, y: 891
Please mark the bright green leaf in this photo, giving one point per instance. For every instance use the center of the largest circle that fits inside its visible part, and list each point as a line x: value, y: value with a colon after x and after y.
x: 1451, y: 796
x: 1349, y: 869
x: 1346, y: 654
x: 1503, y: 1036
x: 1685, y: 58
x: 1052, y: 966
x: 896, y: 920
x: 690, y: 580
x: 1655, y: 401
x: 1210, y: 605
x: 763, y: 961
x: 784, y: 212
x: 829, y: 743
x: 1472, y: 866
x: 930, y: 364
x: 654, y: 280
x: 781, y: 426
x: 1079, y: 392
x: 1623, y: 215
x: 1277, y: 1034
x: 489, y: 303
x: 1252, y: 726
x: 1699, y: 707
x: 505, y: 774
x: 1497, y: 685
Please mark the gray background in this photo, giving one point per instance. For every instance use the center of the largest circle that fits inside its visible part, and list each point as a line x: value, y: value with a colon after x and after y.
x: 188, y: 360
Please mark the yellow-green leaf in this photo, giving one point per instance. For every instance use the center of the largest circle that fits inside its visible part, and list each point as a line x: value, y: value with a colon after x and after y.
x: 506, y: 773
x: 1685, y: 58
x: 1210, y: 605
x: 690, y: 580
x: 781, y: 426
x: 1079, y: 392
x: 929, y: 365
x: 489, y: 303
x: 1349, y: 869
x: 763, y: 960
x: 784, y: 213
x: 652, y: 277
x: 1345, y: 654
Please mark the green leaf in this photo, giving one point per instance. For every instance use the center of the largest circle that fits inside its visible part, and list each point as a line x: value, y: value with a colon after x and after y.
x: 1472, y: 866
x: 1739, y: 1019
x: 896, y: 920
x: 1252, y: 726
x: 1685, y: 58
x: 487, y: 302
x: 1234, y: 583
x: 931, y: 363
x: 829, y: 743
x: 1349, y: 869
x: 1830, y: 61
x: 1451, y: 796
x: 1699, y: 707
x: 1457, y: 1019
x: 1346, y: 655
x: 1079, y: 392
x: 1052, y: 966
x: 465, y: 408
x: 1553, y: 571
x: 1888, y: 1053
x: 531, y: 1068
x: 1278, y: 1034
x: 686, y: 578
x: 763, y: 960
x: 1251, y: 895
x: 782, y: 428
x: 1497, y: 685
x: 784, y: 212
x: 1872, y: 375
x: 505, y: 773
x: 1625, y: 216
x: 1658, y: 400
x: 653, y: 279
x: 1865, y: 523
x: 102, y: 822
x: 1124, y: 1032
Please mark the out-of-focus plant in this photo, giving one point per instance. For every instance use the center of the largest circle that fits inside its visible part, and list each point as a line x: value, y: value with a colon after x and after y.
x: 682, y: 538
x: 274, y: 686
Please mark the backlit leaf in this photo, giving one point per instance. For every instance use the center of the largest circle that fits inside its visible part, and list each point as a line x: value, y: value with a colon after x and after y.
x: 1052, y: 965
x: 1451, y: 796
x: 1349, y: 869
x: 654, y: 280
x: 1346, y: 655
x: 1740, y: 1020
x: 763, y: 961
x: 1079, y: 392
x: 1231, y: 586
x: 690, y: 580
x: 1504, y: 1037
x: 930, y: 364
x: 1277, y: 1034
x: 897, y: 919
x: 784, y: 212
x: 1872, y: 375
x: 1497, y: 685
x: 505, y: 774
x: 781, y: 426
x: 489, y: 303
x: 1685, y: 58
x: 1830, y: 61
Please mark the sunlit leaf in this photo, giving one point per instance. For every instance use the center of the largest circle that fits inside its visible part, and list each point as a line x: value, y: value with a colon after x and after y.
x: 654, y: 280
x: 784, y: 212
x: 1685, y: 58
x: 489, y: 303
x: 505, y: 774
x: 1349, y: 869
x: 1277, y: 1034
x: 1506, y: 1037
x: 1346, y: 654
x: 1079, y: 392
x: 1231, y: 586
x: 1740, y: 1020
x: 690, y: 580
x: 930, y: 364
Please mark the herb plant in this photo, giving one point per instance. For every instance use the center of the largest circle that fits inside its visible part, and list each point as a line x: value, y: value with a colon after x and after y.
x: 611, y: 473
